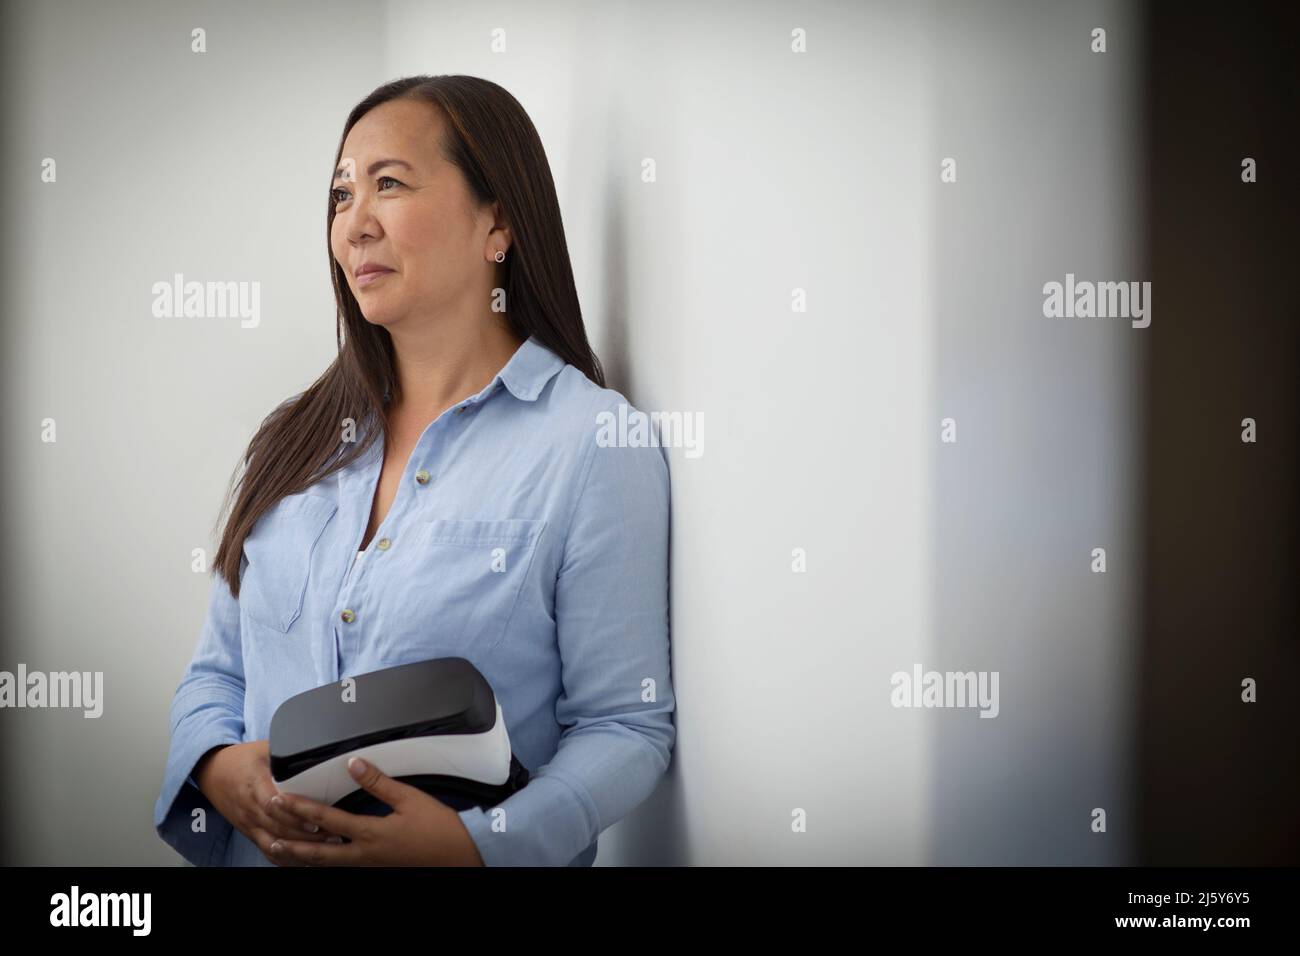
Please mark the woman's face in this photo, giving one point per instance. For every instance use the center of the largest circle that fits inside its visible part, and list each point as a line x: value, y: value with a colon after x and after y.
x: 400, y: 205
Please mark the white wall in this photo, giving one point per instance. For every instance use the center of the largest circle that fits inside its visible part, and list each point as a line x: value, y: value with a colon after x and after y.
x: 168, y: 161
x: 1045, y: 469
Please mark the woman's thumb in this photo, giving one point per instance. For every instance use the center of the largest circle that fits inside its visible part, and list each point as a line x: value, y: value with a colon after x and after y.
x: 375, y: 781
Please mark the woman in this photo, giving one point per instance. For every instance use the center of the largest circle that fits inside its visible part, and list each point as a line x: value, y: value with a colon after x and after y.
x: 438, y: 492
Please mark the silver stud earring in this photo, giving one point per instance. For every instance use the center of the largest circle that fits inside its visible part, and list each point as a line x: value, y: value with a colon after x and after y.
x: 500, y: 256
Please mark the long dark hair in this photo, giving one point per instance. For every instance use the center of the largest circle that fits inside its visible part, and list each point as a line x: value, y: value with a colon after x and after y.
x: 492, y: 141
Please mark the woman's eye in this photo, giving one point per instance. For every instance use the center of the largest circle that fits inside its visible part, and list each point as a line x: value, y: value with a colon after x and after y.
x: 341, y: 195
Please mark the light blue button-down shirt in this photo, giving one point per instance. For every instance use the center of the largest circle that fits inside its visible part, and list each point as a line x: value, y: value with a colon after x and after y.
x: 517, y: 540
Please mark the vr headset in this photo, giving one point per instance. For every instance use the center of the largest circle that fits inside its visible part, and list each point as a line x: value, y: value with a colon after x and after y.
x: 435, y: 725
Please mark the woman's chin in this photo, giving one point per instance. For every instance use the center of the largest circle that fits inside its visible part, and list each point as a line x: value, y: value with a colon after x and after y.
x: 377, y: 316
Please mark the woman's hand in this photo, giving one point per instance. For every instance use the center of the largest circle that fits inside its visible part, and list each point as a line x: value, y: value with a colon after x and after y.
x: 237, y: 781
x: 421, y: 830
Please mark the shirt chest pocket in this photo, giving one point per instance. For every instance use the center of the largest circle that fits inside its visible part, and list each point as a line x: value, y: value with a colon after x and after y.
x: 463, y: 587
x: 280, y: 549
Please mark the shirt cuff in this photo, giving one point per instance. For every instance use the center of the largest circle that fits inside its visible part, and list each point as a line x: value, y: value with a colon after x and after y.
x: 547, y: 823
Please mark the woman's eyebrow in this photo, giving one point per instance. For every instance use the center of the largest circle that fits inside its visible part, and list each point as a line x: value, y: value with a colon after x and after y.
x: 376, y: 166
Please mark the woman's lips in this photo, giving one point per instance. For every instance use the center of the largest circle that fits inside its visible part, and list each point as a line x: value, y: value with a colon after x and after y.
x: 368, y: 277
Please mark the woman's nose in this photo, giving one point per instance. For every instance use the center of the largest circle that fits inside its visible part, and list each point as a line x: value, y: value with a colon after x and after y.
x: 362, y: 223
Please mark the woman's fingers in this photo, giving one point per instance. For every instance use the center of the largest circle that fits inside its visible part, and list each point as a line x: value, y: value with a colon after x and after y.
x: 264, y: 839
x: 280, y: 820
x: 272, y: 808
x: 331, y: 819
x: 295, y: 827
x: 292, y: 830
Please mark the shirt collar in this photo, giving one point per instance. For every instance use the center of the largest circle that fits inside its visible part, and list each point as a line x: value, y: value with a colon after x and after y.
x: 525, y: 375
x: 528, y: 371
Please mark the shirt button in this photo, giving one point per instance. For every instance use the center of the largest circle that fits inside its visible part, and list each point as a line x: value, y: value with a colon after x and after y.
x: 460, y: 409
x: 383, y: 544
x: 348, y: 616
x: 422, y: 477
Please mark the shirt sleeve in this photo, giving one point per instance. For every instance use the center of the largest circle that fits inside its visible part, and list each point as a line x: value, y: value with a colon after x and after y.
x: 616, y: 703
x: 206, y: 710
